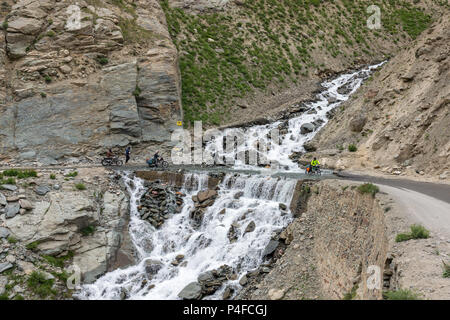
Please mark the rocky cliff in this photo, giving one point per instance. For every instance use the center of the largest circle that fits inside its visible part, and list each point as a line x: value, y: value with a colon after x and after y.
x: 79, y: 77
x: 398, y: 121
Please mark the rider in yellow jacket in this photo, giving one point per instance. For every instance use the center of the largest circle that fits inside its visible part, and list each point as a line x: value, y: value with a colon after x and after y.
x: 315, y: 163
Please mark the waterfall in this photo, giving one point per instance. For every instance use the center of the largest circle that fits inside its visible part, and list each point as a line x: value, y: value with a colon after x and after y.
x: 241, y: 200
x: 204, y: 248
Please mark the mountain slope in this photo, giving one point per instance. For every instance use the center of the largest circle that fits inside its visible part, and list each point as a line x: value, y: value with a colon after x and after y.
x: 400, y: 119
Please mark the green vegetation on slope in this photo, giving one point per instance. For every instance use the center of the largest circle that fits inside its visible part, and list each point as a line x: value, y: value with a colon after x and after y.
x: 229, y: 55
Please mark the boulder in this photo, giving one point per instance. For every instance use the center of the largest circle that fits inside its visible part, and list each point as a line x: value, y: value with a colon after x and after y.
x: 152, y: 267
x: 5, y: 266
x: 357, y: 123
x: 9, y: 187
x: 25, y: 204
x: 42, y: 190
x: 250, y: 227
x: 238, y: 195
x: 310, y: 147
x: 4, y: 233
x: 276, y: 294
x: 270, y: 248
x: 2, y: 200
x: 306, y: 128
x: 205, y: 195
x: 243, y: 281
x: 193, y: 291
x: 12, y: 210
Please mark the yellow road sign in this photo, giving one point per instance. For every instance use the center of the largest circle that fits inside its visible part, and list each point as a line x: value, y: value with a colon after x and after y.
x: 179, y: 123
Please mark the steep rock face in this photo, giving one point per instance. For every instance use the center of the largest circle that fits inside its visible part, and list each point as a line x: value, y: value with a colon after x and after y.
x: 407, y: 108
x: 78, y: 77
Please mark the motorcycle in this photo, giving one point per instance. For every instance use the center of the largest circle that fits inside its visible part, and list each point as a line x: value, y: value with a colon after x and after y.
x: 112, y: 162
x: 160, y: 163
x: 313, y: 170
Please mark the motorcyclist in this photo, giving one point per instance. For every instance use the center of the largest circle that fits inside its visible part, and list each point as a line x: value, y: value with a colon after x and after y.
x: 315, y: 164
x: 109, y: 154
x: 154, y: 160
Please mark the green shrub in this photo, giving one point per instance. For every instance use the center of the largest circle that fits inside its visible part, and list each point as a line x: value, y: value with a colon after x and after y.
x: 446, y: 273
x: 19, y: 173
x: 368, y: 188
x: 352, y: 148
x: 403, y: 237
x: 41, y: 286
x: 72, y: 174
x: 43, y: 95
x: 88, y: 230
x: 80, y: 186
x: 32, y: 245
x: 402, y: 294
x: 352, y: 294
x: 5, y: 25
x: 417, y: 232
x: 12, y: 240
x: 52, y: 176
x: 58, y: 261
x: 47, y: 78
x: 102, y: 60
x: 50, y: 34
x: 137, y: 92
x: 10, y: 180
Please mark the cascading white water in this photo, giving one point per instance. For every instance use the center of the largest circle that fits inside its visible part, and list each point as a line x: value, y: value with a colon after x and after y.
x: 208, y: 247
x: 205, y: 248
x: 293, y: 141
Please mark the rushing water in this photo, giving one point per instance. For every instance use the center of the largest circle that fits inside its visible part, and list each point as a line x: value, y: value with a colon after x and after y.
x: 293, y: 140
x: 208, y: 246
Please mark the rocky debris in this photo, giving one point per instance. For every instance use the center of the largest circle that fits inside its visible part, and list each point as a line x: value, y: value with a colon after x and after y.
x: 193, y: 291
x: 212, y: 280
x: 178, y: 259
x: 307, y: 128
x: 208, y: 282
x: 227, y: 293
x: 202, y: 200
x: 159, y: 202
x: 243, y: 280
x: 238, y: 195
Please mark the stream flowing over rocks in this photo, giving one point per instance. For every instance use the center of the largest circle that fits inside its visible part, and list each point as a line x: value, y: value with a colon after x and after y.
x: 195, y: 242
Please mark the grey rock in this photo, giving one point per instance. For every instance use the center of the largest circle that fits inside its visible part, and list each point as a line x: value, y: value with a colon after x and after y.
x: 42, y: 190
x: 192, y: 291
x: 282, y: 206
x: 5, y: 266
x: 2, y: 200
x: 12, y: 210
x: 243, y: 281
x: 310, y: 147
x: 9, y: 187
x: 250, y: 227
x: 238, y: 195
x: 270, y: 248
x: 306, y: 128
x: 152, y: 267
x: 4, y: 233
